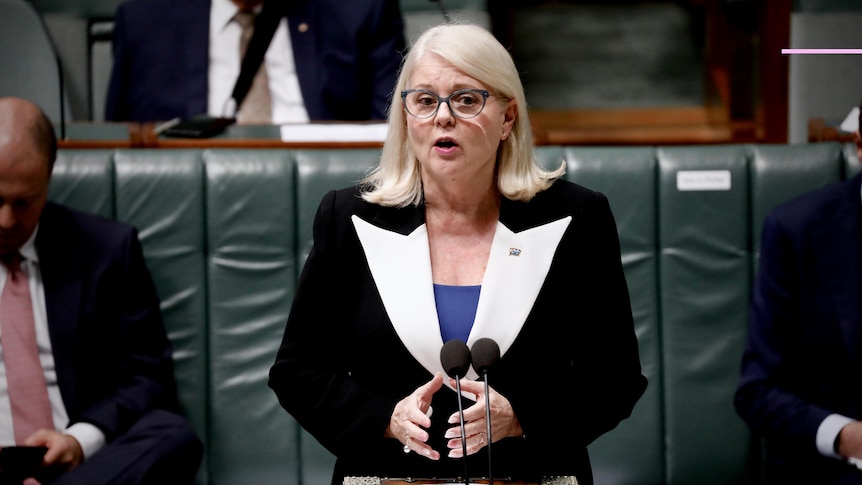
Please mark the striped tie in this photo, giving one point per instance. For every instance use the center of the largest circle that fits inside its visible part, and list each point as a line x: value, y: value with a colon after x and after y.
x: 25, y: 379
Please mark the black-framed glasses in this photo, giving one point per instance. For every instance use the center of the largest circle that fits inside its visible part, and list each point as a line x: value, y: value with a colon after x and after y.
x: 464, y: 103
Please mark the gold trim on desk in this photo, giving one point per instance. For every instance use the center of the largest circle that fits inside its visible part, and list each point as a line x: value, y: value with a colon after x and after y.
x: 553, y: 480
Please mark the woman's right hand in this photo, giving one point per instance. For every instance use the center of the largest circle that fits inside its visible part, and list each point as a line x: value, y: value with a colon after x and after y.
x: 412, y: 415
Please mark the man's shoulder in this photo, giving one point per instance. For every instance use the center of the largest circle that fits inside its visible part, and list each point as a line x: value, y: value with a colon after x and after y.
x: 815, y: 201
x: 69, y: 222
x: 156, y: 6
x: 818, y: 208
x: 165, y: 13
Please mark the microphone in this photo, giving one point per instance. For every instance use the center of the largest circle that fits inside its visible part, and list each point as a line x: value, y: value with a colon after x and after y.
x: 485, y: 354
x: 455, y: 357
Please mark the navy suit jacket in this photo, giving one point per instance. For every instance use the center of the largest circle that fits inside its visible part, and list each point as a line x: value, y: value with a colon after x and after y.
x: 363, y: 334
x: 347, y: 60
x: 802, y: 360
x: 111, y: 351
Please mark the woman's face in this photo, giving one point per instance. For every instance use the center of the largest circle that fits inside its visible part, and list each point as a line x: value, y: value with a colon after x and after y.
x: 449, y: 148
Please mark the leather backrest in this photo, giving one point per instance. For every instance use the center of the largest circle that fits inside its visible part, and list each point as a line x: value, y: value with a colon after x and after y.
x: 704, y: 281
x: 225, y: 233
x: 633, y: 452
x: 31, y: 69
x: 84, y: 180
x: 251, y: 268
x: 172, y: 234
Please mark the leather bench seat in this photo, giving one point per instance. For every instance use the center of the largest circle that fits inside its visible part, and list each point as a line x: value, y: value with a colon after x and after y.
x: 226, y: 231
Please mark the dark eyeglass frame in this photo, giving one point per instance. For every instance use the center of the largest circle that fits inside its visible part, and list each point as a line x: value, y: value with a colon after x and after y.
x: 440, y: 100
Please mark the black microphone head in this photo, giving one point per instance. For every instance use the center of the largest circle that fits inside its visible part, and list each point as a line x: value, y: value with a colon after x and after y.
x: 485, y: 354
x: 455, y: 357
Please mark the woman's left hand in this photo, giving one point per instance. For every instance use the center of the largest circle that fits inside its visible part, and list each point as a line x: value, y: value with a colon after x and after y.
x: 504, y: 423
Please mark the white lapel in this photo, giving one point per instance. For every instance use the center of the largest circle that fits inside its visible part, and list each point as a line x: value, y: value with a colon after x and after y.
x: 401, y: 268
x: 517, y: 268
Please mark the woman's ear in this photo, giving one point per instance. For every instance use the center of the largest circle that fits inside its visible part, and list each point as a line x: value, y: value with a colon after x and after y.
x: 509, y: 117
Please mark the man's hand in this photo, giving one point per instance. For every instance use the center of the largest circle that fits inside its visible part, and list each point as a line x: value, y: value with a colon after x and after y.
x: 850, y: 440
x: 64, y: 452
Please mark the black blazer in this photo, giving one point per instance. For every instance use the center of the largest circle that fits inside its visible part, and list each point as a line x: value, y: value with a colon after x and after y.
x: 347, y: 59
x: 363, y: 334
x: 802, y: 360
x: 112, y: 355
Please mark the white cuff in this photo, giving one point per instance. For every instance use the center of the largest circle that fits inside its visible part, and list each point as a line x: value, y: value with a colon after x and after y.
x: 89, y: 437
x: 827, y: 433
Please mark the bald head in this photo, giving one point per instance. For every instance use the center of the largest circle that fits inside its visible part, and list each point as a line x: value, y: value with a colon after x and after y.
x: 27, y: 152
x: 23, y: 122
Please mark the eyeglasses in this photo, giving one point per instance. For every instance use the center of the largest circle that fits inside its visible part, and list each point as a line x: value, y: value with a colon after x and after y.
x: 464, y: 103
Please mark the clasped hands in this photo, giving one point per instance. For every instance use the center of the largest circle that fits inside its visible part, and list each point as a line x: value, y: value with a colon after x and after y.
x: 412, y: 416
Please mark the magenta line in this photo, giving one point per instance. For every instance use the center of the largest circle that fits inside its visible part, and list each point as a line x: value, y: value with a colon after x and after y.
x: 821, y: 51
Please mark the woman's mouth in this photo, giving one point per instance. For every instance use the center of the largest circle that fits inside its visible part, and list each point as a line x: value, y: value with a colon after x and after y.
x: 445, y: 145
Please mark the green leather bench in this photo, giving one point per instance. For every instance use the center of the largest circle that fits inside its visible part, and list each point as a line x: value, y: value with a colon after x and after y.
x: 225, y: 232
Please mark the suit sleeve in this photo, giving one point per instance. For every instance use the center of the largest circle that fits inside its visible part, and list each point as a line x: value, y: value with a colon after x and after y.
x: 116, y: 108
x: 127, y: 367
x: 772, y: 354
x: 310, y: 375
x: 386, y: 45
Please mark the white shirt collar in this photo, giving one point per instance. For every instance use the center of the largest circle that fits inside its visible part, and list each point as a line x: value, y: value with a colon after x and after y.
x: 222, y: 12
x: 28, y: 249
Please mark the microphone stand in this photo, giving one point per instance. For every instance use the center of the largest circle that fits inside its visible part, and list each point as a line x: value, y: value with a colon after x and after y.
x: 455, y: 357
x: 485, y: 354
x: 488, y: 426
x: 463, y: 431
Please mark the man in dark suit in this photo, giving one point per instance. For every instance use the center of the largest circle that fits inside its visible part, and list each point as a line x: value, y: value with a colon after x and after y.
x: 801, y: 383
x: 345, y: 57
x: 114, y: 415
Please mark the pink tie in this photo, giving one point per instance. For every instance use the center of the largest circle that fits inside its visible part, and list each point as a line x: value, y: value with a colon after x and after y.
x: 25, y: 379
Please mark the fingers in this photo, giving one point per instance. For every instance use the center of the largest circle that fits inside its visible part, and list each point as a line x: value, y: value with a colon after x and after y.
x: 422, y: 448
x: 421, y: 414
x: 432, y: 386
x: 415, y: 438
x: 412, y: 415
x: 58, y: 446
x: 476, y: 411
x: 474, y: 429
x: 474, y: 442
x: 503, y: 419
x: 469, y: 385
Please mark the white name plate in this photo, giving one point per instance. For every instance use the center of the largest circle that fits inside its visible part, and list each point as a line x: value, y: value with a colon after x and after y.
x: 691, y: 180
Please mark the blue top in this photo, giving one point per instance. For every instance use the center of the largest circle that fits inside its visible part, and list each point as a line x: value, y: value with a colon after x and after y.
x: 456, y: 310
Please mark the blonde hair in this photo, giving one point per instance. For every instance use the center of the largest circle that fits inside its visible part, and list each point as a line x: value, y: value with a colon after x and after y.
x: 396, y: 180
